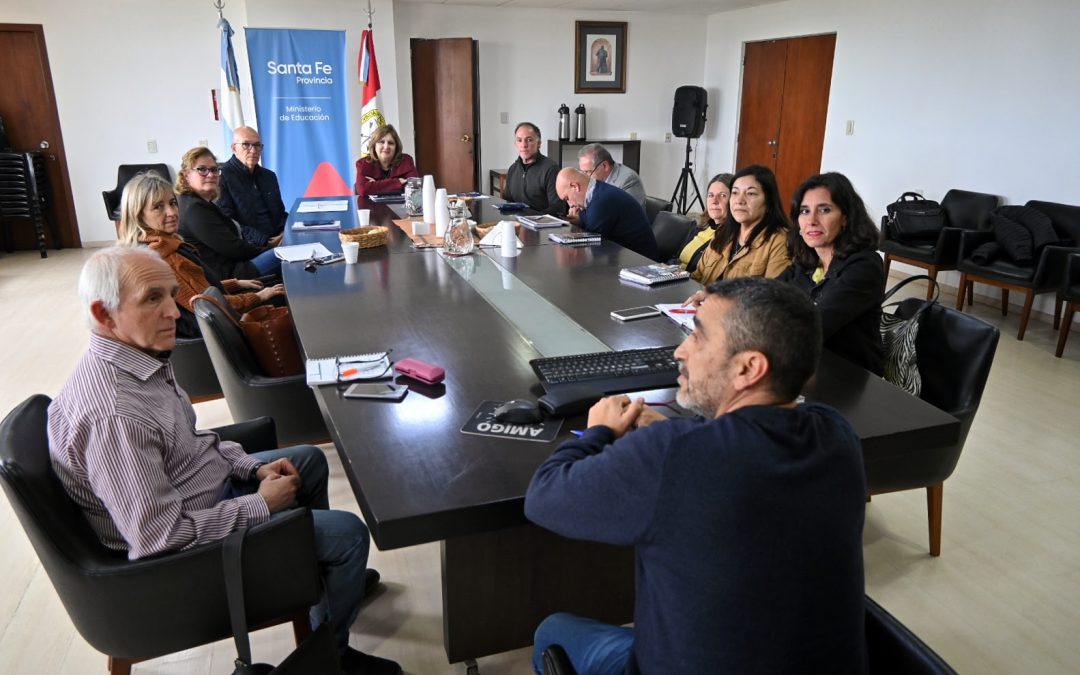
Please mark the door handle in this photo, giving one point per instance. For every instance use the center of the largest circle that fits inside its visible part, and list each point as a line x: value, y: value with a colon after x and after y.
x: 465, y: 138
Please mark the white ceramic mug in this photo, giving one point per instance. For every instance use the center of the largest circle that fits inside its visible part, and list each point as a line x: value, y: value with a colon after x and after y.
x: 351, y: 249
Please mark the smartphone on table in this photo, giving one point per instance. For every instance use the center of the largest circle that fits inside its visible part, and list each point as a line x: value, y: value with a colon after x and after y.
x: 634, y: 313
x: 383, y: 390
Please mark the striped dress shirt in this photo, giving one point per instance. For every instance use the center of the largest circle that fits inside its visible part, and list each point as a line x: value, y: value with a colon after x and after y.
x: 123, y: 442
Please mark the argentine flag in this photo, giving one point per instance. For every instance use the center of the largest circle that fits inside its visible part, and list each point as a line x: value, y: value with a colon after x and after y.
x: 232, y: 115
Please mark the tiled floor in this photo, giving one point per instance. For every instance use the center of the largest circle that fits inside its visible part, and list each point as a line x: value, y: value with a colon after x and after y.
x: 1004, y: 597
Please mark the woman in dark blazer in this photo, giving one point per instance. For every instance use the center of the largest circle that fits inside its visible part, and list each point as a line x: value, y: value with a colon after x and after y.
x: 835, y: 260
x: 216, y: 236
x: 385, y: 168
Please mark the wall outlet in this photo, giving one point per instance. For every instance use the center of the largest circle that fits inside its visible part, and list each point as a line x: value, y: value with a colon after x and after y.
x: 667, y: 137
x: 850, y: 129
x: 151, y: 147
x: 633, y: 135
x: 504, y: 118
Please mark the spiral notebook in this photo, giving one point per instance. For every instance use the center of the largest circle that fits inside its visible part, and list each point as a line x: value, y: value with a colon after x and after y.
x: 648, y: 275
x: 373, y: 366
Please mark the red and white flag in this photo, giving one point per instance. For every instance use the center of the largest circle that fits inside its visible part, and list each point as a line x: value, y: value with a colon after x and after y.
x: 367, y: 72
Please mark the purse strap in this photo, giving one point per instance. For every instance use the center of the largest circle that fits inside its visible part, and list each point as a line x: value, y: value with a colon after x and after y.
x: 918, y: 277
x: 234, y: 593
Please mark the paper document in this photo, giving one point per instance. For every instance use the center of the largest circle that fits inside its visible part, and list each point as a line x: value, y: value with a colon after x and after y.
x: 374, y: 366
x: 319, y: 207
x: 301, y: 252
x: 684, y: 316
x: 301, y: 225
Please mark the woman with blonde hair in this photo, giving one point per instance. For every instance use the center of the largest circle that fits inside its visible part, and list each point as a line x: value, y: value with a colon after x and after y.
x: 217, y: 237
x: 149, y: 216
x: 385, y: 168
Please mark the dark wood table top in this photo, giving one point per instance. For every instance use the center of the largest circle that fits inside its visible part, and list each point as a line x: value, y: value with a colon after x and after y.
x: 416, y: 477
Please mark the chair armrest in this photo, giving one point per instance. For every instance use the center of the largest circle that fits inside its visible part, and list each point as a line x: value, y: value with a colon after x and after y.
x: 1050, y: 270
x: 255, y: 435
x: 971, y: 240
x: 1072, y: 273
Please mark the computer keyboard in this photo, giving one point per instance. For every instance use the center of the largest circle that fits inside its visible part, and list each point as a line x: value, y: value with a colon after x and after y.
x: 611, y: 372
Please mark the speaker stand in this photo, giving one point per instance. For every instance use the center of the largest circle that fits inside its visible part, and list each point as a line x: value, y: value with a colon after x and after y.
x: 686, y: 179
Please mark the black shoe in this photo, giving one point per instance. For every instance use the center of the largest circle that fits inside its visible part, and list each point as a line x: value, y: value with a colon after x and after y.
x: 371, y: 582
x: 358, y: 663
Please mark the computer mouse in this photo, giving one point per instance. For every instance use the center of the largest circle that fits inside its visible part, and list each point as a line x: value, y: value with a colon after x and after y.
x: 519, y: 411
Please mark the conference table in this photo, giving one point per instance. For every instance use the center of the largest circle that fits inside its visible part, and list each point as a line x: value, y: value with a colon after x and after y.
x: 419, y: 479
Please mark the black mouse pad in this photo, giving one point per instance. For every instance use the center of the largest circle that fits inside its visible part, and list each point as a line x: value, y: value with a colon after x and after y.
x: 482, y: 423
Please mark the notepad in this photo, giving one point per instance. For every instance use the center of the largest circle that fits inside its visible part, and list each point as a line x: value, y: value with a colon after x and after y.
x: 301, y: 225
x: 320, y: 206
x: 653, y: 274
x: 301, y: 252
x: 541, y: 222
x: 373, y: 366
x: 684, y: 316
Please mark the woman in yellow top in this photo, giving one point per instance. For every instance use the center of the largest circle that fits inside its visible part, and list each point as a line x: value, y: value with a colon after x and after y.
x: 751, y: 240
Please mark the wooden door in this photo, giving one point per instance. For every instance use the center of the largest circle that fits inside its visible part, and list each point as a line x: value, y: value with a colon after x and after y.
x: 445, y: 111
x: 28, y: 106
x: 786, y: 94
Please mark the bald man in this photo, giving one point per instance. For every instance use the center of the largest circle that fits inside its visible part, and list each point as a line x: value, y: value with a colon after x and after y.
x: 249, y: 193
x: 608, y: 211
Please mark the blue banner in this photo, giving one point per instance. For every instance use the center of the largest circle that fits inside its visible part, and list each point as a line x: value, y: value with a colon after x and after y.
x: 298, y: 82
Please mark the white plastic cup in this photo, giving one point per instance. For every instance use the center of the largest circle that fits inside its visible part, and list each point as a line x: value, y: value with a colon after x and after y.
x: 351, y: 249
x: 442, y: 213
x: 509, y: 240
x: 429, y: 199
x: 365, y: 217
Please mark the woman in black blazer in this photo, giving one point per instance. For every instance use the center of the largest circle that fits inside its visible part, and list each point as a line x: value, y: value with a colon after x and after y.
x: 835, y: 260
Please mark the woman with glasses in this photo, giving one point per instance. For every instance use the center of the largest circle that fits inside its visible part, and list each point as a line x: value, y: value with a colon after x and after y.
x: 149, y: 216
x: 217, y: 237
x: 385, y: 168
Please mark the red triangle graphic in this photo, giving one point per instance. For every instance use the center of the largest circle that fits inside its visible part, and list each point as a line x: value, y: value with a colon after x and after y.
x: 327, y: 182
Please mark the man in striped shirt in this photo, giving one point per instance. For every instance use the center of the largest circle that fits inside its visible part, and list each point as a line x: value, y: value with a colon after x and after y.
x: 123, y: 442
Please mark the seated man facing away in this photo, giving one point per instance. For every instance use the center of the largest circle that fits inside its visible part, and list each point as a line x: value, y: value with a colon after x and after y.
x: 123, y: 442
x: 746, y: 522
x: 608, y: 211
x: 531, y: 178
x: 249, y: 193
x: 595, y: 160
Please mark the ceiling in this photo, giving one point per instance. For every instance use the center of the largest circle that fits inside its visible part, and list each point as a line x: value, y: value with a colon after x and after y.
x: 698, y: 7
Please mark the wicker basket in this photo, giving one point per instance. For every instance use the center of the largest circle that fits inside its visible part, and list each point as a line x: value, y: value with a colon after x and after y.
x: 367, y: 237
x: 483, y: 229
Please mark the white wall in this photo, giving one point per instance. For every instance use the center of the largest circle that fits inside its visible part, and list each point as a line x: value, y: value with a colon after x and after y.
x: 127, y: 72
x: 527, y: 70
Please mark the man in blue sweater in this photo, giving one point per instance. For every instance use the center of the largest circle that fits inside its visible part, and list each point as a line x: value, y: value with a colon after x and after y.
x: 608, y: 211
x: 746, y: 521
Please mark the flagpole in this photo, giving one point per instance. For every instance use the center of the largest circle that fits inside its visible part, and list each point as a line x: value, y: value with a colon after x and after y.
x: 220, y: 5
x: 370, y: 13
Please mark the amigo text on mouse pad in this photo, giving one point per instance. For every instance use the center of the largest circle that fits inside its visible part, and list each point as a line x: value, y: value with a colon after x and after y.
x: 482, y: 423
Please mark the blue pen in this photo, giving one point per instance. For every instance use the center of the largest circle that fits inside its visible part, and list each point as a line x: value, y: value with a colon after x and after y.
x: 577, y: 433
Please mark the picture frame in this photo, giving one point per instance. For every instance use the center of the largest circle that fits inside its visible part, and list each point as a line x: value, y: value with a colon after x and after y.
x: 600, y: 57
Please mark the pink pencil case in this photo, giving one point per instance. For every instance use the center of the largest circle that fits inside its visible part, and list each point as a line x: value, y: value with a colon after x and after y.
x: 419, y: 370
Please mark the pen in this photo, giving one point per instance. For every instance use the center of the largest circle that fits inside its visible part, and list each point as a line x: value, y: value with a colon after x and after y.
x: 683, y: 310
x: 307, y: 223
x: 577, y: 433
x: 350, y: 372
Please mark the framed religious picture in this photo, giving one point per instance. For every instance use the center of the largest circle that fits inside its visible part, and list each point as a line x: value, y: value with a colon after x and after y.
x: 600, y: 57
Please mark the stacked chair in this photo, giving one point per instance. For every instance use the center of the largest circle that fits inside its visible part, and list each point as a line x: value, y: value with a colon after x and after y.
x: 25, y: 195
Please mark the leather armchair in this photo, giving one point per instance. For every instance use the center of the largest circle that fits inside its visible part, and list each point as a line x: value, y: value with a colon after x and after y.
x: 194, y: 370
x: 670, y: 230
x: 142, y: 609
x: 891, y: 649
x: 249, y: 394
x: 124, y: 174
x: 1046, y: 273
x: 964, y: 210
x: 1070, y: 295
x: 654, y: 205
x: 955, y: 352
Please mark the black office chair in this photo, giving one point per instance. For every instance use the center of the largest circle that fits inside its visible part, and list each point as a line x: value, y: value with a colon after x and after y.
x: 124, y: 174
x: 964, y: 210
x: 891, y: 649
x: 142, y: 609
x: 670, y: 230
x: 1045, y: 274
x: 194, y: 370
x: 955, y: 352
x: 1070, y: 295
x: 249, y: 394
x: 654, y: 205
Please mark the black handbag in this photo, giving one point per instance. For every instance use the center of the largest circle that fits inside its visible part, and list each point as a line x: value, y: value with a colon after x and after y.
x: 899, y: 334
x: 316, y: 654
x: 912, y: 219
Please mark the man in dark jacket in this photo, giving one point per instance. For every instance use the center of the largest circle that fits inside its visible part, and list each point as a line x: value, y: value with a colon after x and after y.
x: 608, y: 211
x: 250, y: 193
x: 746, y: 522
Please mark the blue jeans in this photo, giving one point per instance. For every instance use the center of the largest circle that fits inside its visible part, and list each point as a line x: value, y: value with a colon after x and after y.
x: 341, y: 539
x: 267, y: 263
x: 594, y: 648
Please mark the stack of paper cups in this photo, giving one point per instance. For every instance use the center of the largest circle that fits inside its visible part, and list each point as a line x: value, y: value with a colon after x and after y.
x: 509, y: 239
x: 429, y: 199
x: 442, y: 213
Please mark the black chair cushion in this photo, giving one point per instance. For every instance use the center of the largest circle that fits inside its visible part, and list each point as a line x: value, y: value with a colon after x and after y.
x: 968, y: 210
x: 916, y: 251
x: 1000, y: 270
